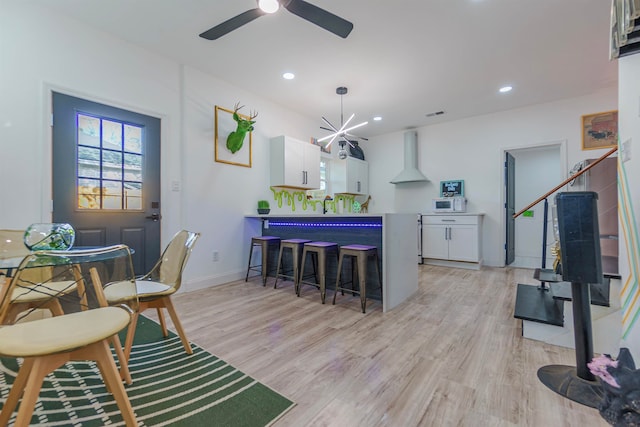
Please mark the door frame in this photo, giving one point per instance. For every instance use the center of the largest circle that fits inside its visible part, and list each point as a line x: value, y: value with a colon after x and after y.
x: 46, y: 154
x: 562, y: 144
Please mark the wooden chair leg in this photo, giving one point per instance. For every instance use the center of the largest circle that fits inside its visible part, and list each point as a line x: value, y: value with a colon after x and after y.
x: 163, y: 323
x: 16, y: 392
x: 131, y: 331
x: 176, y: 324
x: 35, y: 373
x: 125, y: 374
x: 82, y: 290
x: 106, y: 364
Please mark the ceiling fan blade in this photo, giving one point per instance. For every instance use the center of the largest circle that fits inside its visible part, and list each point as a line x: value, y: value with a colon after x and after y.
x: 330, y: 130
x: 231, y: 24
x: 327, y: 20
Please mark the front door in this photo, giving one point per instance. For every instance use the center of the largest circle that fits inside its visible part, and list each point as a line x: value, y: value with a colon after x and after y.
x: 106, y: 176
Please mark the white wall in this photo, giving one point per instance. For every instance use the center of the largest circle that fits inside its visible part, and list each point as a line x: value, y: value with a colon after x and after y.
x: 629, y: 117
x: 472, y: 150
x: 218, y: 195
x: 41, y: 51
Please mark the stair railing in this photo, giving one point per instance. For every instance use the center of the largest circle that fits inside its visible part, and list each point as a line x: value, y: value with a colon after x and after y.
x: 546, y: 207
x: 565, y: 182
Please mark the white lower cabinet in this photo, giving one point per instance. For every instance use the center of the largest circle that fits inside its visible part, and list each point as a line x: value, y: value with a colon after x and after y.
x: 455, y: 237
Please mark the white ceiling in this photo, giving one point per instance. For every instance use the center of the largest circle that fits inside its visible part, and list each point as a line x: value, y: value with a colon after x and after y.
x: 403, y: 59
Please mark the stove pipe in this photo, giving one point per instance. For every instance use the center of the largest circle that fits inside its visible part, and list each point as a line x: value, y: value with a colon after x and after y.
x: 410, y: 172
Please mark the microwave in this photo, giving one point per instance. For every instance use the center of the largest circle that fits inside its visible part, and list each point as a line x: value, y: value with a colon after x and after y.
x: 449, y: 204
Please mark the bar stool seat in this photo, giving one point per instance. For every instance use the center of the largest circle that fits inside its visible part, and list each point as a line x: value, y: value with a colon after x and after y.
x: 295, y: 245
x: 360, y: 254
x: 318, y: 251
x: 265, y: 243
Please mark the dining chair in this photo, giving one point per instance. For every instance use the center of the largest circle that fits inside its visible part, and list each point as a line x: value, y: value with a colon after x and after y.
x: 156, y: 287
x: 80, y: 333
x: 26, y: 297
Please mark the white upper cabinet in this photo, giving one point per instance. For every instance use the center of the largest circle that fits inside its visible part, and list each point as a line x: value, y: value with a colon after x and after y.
x: 294, y: 163
x: 350, y: 176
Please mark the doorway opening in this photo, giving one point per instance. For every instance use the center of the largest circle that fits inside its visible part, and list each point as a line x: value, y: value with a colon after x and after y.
x: 533, y: 171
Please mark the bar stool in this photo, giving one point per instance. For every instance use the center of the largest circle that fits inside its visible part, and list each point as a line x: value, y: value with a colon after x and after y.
x: 360, y: 254
x: 318, y: 251
x: 295, y: 245
x: 264, y: 242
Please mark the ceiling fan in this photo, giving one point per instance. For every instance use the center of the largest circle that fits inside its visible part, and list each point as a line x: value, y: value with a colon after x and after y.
x: 343, y: 131
x: 304, y: 10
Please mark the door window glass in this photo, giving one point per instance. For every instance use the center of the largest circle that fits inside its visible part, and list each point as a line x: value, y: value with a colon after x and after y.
x: 109, y: 164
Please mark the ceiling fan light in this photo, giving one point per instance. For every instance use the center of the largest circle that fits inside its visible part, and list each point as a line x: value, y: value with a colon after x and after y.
x: 269, y: 6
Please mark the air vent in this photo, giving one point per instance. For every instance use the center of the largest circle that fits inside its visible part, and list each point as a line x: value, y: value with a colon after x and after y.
x: 435, y: 113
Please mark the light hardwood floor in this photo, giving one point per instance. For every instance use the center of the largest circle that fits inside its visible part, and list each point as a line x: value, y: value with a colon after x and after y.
x: 452, y: 355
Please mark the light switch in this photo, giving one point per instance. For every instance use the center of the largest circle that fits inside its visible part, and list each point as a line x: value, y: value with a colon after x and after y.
x: 625, y: 150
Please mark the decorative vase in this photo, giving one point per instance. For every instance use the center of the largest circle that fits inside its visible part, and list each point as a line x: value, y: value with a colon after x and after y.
x: 262, y: 211
x: 47, y: 236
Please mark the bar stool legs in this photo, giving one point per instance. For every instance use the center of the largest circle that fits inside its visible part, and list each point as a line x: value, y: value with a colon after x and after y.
x: 264, y: 242
x: 361, y: 253
x: 319, y: 250
x: 295, y: 245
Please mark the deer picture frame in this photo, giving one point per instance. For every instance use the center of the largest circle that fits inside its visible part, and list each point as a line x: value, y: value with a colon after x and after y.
x: 226, y: 125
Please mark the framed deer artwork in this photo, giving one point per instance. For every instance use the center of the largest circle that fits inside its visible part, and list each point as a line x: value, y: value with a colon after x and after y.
x: 233, y: 136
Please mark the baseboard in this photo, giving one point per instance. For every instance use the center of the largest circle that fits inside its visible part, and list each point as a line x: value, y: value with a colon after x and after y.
x: 454, y: 264
x: 210, y: 281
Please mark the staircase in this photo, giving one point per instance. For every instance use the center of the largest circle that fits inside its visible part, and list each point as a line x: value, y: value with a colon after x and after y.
x: 545, y: 303
x: 547, y: 312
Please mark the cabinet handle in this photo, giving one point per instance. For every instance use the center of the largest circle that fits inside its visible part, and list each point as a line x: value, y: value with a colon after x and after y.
x: 449, y: 233
x: 358, y: 186
x: 448, y: 220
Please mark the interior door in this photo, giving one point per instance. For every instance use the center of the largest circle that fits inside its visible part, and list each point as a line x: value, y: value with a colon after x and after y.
x: 510, y: 209
x: 106, y: 176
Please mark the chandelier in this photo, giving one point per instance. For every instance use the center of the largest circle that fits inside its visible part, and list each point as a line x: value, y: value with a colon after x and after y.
x: 343, y: 131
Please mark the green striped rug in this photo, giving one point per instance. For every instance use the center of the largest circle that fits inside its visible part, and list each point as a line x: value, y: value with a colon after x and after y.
x: 170, y: 388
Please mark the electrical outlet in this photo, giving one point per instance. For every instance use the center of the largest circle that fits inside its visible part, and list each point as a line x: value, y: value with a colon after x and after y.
x: 216, y: 256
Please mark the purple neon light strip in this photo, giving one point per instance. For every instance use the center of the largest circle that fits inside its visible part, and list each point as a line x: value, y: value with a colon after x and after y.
x: 322, y: 224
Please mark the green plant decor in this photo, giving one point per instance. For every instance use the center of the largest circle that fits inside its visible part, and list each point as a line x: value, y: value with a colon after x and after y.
x: 263, y: 207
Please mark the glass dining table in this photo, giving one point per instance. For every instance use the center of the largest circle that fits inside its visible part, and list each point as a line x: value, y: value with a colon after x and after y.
x: 79, y: 254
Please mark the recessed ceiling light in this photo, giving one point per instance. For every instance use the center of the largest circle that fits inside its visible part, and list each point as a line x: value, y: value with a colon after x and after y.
x: 377, y: 118
x: 288, y: 76
x: 505, y: 89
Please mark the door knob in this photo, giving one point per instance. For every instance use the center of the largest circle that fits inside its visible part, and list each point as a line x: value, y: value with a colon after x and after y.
x: 155, y: 217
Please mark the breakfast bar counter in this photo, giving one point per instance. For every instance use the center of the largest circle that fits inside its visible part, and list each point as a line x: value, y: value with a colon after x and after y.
x: 394, y: 234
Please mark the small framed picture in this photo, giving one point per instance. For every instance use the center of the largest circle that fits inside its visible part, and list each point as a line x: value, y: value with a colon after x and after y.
x: 224, y: 126
x: 600, y: 130
x: 452, y: 188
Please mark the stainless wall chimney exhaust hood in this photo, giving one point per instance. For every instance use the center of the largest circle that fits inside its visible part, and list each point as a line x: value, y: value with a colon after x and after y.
x: 410, y: 172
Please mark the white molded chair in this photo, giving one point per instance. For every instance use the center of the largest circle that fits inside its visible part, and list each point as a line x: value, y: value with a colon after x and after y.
x: 81, y: 333
x: 156, y: 287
